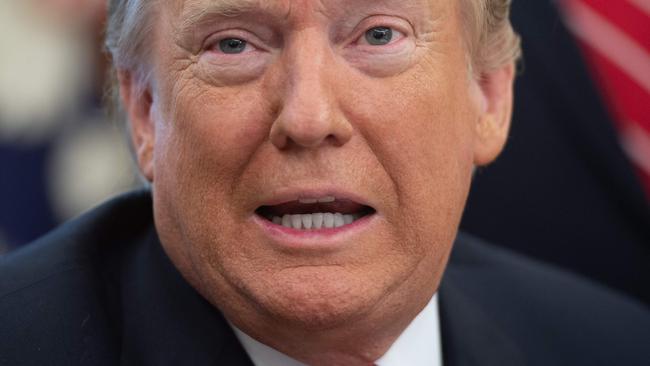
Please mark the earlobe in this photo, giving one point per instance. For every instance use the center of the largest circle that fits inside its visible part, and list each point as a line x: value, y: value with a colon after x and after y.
x: 137, y: 102
x: 493, y: 123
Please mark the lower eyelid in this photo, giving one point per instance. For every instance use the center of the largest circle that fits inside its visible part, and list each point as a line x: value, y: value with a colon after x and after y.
x: 396, y: 43
x: 218, y: 51
x: 217, y: 58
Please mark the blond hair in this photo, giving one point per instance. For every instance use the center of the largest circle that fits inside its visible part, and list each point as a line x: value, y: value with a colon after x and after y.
x: 491, y: 40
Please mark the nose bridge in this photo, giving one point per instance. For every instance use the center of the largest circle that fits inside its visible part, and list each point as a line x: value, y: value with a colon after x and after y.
x: 308, y: 115
x: 308, y: 90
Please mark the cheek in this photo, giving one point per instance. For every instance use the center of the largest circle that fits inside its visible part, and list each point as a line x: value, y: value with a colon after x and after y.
x: 421, y: 134
x: 204, y: 139
x: 210, y: 133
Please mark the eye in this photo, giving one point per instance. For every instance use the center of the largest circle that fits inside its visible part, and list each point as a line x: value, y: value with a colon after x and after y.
x: 232, y: 45
x: 379, y: 36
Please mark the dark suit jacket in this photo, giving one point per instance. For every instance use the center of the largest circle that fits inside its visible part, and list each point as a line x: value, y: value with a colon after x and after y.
x: 101, y: 291
x: 563, y: 190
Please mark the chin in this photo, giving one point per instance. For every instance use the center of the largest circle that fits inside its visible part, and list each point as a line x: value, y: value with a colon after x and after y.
x: 319, y: 298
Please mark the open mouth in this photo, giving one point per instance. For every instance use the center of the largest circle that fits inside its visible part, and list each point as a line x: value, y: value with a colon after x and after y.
x: 315, y: 213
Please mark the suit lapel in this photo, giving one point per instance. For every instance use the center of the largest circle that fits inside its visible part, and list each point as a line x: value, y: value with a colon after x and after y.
x: 165, y: 321
x: 469, y: 336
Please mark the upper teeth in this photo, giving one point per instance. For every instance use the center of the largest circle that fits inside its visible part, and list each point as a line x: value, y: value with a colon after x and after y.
x: 314, y: 221
x: 326, y: 199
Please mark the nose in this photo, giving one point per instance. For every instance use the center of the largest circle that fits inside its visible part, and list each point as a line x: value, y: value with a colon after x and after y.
x: 310, y: 115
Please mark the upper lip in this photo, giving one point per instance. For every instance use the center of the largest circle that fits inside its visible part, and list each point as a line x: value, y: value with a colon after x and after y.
x: 294, y: 194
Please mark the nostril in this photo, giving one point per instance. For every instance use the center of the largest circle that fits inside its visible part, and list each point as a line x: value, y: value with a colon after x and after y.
x: 306, y: 142
x: 333, y: 140
x: 309, y: 127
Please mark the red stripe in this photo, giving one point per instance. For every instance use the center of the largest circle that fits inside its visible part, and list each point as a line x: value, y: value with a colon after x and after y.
x: 626, y: 99
x: 627, y: 17
x: 627, y: 102
x: 596, y: 30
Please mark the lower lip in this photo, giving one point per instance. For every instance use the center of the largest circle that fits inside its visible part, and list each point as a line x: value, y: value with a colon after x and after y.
x: 312, y: 239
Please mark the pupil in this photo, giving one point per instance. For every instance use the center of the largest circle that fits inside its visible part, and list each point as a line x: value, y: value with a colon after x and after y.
x: 379, y: 36
x: 232, y: 45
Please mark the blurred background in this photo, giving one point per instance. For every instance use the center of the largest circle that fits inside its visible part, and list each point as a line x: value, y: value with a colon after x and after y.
x: 59, y: 153
x: 572, y: 187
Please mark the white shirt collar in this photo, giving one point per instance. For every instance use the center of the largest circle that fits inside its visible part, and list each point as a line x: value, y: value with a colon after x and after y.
x: 418, y: 345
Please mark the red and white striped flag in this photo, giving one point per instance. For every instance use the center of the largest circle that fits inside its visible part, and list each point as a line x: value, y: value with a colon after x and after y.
x: 615, y: 38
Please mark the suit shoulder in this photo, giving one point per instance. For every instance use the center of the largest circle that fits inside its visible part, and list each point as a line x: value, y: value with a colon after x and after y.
x: 56, y: 294
x: 78, y: 244
x: 530, y: 299
x: 519, y: 275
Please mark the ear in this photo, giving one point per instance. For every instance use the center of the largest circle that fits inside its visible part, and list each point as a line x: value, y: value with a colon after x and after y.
x: 137, y: 102
x: 496, y: 89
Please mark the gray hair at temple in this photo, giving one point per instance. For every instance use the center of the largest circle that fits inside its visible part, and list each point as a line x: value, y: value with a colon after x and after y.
x: 491, y: 41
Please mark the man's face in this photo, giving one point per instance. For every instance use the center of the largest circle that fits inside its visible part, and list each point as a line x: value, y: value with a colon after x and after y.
x: 270, y: 110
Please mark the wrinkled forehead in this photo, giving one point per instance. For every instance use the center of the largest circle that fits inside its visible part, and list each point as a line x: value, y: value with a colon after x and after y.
x: 191, y: 11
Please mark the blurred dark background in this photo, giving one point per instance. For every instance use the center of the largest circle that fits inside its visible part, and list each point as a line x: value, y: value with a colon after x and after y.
x: 59, y: 153
x: 573, y: 184
x: 572, y: 187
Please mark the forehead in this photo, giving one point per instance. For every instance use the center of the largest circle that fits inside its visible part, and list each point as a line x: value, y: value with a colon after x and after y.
x: 296, y: 9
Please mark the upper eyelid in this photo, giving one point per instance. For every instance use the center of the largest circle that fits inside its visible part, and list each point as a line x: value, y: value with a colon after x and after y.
x: 396, y: 23
x: 211, y: 40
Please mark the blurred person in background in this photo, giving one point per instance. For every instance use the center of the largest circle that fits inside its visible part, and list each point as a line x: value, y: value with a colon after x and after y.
x: 58, y: 153
x: 573, y: 184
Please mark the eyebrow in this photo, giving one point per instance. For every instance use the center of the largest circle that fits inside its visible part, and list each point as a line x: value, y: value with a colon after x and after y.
x: 196, y: 13
x: 200, y: 11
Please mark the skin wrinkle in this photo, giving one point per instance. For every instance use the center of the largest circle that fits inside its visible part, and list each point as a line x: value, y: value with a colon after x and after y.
x: 423, y: 46
x: 195, y: 12
x: 489, y: 37
x: 374, y: 144
x: 195, y: 15
x: 202, y: 13
x: 405, y: 139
